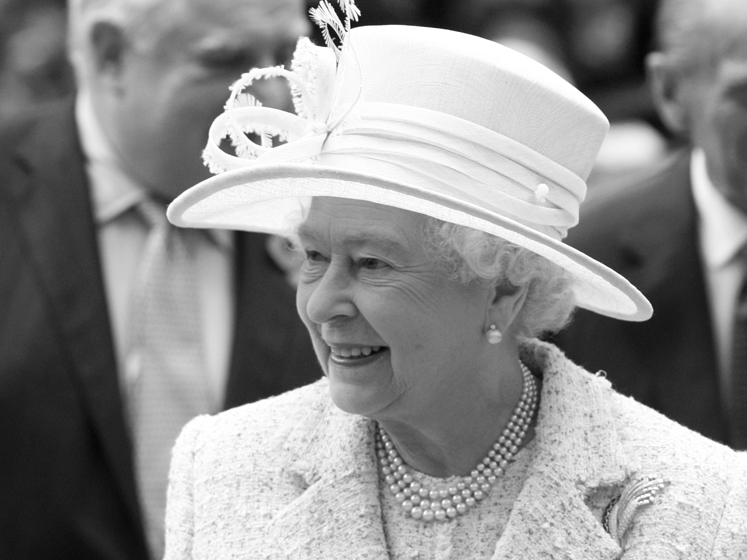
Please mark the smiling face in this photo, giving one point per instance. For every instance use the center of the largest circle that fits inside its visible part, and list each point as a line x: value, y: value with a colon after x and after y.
x: 396, y: 339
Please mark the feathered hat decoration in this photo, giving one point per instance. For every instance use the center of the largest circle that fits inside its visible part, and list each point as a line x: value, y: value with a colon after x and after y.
x: 326, y: 17
x: 311, y: 78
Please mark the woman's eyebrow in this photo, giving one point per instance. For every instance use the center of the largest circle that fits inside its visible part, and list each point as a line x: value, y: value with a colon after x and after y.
x: 307, y: 233
x: 390, y: 243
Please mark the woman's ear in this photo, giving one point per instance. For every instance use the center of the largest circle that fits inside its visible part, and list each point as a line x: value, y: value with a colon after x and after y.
x: 505, y: 305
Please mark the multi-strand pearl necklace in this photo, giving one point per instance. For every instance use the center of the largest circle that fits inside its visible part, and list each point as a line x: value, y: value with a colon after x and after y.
x: 446, y: 503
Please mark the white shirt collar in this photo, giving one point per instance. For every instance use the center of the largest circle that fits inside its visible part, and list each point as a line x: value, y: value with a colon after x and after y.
x: 723, y: 228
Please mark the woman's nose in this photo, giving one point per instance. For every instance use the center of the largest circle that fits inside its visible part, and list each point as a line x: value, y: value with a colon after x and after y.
x: 330, y: 299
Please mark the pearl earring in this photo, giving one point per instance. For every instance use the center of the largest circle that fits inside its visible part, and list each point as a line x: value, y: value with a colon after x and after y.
x: 493, y: 335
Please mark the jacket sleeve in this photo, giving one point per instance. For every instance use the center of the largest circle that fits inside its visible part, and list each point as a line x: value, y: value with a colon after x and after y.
x: 731, y: 539
x: 180, y: 504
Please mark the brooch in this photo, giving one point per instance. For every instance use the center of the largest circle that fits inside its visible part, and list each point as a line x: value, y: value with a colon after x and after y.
x: 621, y: 510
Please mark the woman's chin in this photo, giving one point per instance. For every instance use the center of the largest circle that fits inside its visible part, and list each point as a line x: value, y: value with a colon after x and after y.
x: 357, y: 385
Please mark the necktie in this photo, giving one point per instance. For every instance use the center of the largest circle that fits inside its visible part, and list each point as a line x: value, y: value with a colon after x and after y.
x: 167, y: 385
x: 739, y: 365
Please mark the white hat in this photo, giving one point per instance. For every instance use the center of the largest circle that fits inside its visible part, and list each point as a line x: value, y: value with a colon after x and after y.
x: 432, y: 121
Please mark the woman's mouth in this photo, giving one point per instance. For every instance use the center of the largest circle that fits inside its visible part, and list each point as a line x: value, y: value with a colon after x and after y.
x: 355, y: 354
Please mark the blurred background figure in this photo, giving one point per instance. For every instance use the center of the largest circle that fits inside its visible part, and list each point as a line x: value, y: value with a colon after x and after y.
x: 598, y: 45
x: 679, y: 233
x: 116, y: 329
x: 33, y: 65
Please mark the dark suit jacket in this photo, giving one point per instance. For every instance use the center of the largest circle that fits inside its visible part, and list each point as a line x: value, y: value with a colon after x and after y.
x: 68, y: 489
x: 647, y: 232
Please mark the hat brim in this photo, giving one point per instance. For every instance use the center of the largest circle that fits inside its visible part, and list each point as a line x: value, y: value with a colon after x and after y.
x: 268, y: 197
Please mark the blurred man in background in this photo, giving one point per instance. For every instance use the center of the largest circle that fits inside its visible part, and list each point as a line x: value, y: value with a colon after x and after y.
x: 33, y: 65
x: 679, y: 233
x: 115, y: 328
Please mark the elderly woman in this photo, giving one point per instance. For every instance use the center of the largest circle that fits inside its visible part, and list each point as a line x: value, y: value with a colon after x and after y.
x: 429, y: 178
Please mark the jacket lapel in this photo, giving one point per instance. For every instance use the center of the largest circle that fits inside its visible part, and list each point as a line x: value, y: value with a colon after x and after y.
x: 577, y: 452
x: 339, y: 515
x: 50, y: 190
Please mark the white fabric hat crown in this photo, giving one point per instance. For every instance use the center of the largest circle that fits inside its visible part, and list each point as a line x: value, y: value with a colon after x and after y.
x: 428, y: 120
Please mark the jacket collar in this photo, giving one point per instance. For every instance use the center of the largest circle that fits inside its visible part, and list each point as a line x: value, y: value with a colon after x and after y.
x: 341, y: 516
x: 577, y: 452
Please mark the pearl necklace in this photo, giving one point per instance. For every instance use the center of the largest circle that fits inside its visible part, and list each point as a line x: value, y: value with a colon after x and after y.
x: 447, y: 503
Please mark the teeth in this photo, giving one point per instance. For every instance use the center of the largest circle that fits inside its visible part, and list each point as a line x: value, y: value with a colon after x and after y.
x: 355, y: 352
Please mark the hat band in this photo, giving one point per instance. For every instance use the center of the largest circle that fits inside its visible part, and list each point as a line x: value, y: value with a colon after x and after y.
x: 432, y: 150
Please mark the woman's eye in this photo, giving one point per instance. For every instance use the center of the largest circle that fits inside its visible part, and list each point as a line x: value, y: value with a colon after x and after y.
x: 371, y: 263
x: 313, y: 256
x: 313, y: 266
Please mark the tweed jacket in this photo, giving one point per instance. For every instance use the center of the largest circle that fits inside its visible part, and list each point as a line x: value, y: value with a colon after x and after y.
x: 294, y: 477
